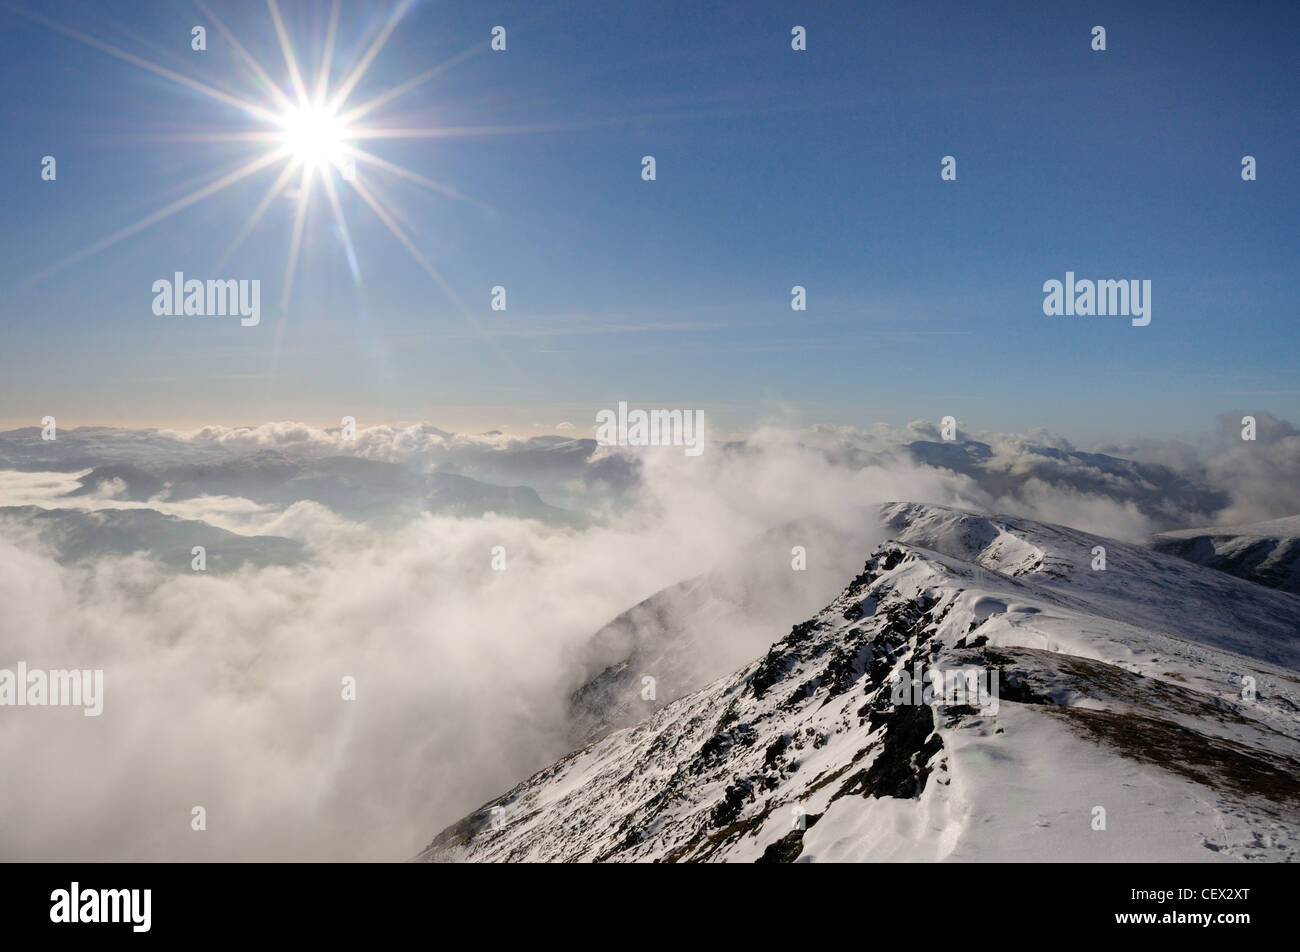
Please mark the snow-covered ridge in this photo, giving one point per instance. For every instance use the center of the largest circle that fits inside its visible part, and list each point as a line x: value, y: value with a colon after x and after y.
x: 1264, y: 552
x: 1121, y: 689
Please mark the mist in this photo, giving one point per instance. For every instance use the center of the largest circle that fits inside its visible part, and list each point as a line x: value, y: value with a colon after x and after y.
x: 226, y: 691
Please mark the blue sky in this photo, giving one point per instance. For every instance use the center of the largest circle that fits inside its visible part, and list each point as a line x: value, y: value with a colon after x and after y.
x: 775, y: 168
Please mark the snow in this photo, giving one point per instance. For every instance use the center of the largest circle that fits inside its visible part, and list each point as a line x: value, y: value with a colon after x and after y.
x: 1122, y: 689
x: 1285, y: 528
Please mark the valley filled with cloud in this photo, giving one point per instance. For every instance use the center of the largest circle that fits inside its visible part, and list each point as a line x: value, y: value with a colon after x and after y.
x: 461, y: 580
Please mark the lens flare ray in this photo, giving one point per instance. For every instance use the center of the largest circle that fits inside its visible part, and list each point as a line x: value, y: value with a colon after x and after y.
x: 287, y: 48
x: 181, y: 203
x: 310, y: 129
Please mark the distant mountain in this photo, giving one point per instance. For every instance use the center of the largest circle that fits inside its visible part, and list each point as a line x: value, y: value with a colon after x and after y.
x: 85, y: 446
x: 77, y: 534
x: 1159, y: 492
x: 353, y: 486
x: 1263, y: 552
x: 454, y: 495
x: 702, y: 628
x: 1120, y: 702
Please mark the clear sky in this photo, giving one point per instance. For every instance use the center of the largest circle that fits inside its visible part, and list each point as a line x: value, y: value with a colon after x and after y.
x: 774, y: 168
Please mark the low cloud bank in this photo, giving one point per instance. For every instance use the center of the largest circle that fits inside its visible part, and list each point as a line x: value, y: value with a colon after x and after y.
x: 225, y: 691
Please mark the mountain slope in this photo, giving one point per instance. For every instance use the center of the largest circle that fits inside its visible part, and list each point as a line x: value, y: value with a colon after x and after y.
x: 1265, y: 552
x: 1117, y: 690
x: 690, y: 633
x: 352, y: 486
x: 83, y: 535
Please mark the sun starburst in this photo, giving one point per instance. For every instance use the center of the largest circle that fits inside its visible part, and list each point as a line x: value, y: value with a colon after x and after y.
x: 310, y: 134
x: 314, y: 135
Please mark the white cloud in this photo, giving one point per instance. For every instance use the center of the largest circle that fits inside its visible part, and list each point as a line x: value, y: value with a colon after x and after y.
x: 224, y: 690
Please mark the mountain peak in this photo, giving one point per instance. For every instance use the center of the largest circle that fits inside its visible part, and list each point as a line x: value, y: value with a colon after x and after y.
x: 818, y: 749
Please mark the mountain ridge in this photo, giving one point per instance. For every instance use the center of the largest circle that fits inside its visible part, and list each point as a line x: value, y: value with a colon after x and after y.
x: 803, y: 754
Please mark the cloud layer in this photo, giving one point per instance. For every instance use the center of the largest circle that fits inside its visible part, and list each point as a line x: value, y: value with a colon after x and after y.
x: 225, y: 690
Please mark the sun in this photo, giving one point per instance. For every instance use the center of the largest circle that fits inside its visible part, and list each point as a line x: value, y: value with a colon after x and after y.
x: 314, y: 135
x: 308, y: 129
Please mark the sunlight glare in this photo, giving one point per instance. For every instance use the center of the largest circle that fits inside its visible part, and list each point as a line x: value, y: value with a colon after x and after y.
x: 314, y: 135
